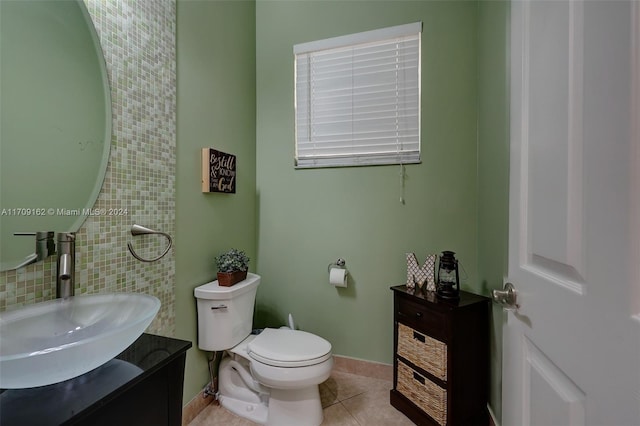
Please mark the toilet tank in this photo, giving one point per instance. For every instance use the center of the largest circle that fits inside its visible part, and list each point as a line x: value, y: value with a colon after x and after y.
x: 225, y: 314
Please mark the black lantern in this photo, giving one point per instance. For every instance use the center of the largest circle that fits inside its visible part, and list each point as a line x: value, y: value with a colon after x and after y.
x: 448, y: 286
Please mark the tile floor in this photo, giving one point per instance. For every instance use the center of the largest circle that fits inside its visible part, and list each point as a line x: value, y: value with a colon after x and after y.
x: 347, y: 399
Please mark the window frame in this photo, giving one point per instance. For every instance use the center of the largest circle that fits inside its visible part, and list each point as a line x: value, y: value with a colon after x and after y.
x: 397, y: 34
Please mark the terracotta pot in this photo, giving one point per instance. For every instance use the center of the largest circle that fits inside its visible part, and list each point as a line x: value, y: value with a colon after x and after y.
x: 227, y: 279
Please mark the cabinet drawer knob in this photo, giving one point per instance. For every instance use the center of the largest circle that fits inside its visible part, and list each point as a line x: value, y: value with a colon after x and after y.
x: 419, y: 314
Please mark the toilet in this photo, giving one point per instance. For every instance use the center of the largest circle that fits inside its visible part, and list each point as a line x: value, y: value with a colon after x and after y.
x: 269, y: 378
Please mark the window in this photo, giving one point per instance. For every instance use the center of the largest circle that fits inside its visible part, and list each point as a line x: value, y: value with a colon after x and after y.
x: 357, y: 99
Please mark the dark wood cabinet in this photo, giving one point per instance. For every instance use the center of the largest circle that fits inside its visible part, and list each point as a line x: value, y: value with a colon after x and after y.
x: 441, y: 358
x: 141, y: 386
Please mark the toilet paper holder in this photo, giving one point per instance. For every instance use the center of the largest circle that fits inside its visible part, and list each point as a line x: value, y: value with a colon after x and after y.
x: 340, y: 263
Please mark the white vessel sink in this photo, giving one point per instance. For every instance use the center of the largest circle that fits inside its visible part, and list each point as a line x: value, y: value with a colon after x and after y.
x: 60, y: 339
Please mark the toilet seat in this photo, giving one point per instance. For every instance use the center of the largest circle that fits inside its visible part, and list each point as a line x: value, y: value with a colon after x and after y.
x: 288, y: 348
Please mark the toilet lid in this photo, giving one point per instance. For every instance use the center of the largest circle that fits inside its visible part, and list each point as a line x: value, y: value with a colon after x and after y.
x: 288, y: 348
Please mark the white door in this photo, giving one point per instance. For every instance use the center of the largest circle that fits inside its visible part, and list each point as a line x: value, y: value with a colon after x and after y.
x: 572, y: 348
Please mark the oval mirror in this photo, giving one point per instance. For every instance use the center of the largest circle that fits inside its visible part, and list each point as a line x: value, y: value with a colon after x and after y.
x: 55, y: 121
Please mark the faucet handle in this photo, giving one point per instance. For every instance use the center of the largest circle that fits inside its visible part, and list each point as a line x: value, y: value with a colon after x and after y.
x: 40, y: 235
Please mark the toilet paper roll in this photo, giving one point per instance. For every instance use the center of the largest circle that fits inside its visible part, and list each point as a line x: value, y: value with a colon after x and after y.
x: 338, y: 277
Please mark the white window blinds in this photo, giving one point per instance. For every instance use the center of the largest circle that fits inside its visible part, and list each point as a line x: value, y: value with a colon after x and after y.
x: 357, y: 99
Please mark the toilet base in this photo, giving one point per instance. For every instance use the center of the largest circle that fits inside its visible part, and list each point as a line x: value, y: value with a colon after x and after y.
x: 256, y: 412
x: 235, y: 396
x: 278, y: 407
x: 295, y: 407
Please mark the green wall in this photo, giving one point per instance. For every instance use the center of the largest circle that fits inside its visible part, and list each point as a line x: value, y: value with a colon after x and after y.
x: 309, y: 218
x: 493, y: 169
x: 215, y: 108
x: 238, y: 96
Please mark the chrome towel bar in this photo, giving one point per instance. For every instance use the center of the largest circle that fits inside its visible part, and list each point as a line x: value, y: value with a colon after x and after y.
x: 141, y: 230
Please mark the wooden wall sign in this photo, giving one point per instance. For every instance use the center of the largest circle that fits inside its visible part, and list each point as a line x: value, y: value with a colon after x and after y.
x: 218, y: 171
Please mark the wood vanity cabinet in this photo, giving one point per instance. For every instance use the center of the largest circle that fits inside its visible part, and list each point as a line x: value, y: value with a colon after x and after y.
x: 441, y: 358
x: 141, y: 386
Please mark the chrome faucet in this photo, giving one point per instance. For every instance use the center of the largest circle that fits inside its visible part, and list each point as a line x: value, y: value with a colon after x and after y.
x: 66, y: 264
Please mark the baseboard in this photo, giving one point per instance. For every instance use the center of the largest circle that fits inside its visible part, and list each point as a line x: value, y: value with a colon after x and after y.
x: 376, y: 370
x: 191, y: 410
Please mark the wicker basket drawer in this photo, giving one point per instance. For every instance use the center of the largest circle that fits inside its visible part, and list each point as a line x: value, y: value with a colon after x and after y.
x: 425, y: 352
x: 429, y: 397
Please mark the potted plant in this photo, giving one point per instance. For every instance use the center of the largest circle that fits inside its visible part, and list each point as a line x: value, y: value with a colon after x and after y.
x: 232, y: 267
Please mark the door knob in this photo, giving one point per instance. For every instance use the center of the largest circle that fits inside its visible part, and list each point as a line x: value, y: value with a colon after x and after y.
x: 506, y: 297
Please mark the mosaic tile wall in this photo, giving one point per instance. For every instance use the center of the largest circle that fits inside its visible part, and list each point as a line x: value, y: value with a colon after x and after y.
x: 138, y: 41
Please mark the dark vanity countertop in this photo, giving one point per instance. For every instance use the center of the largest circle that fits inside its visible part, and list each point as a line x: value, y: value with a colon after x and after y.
x: 430, y: 297
x: 63, y: 402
